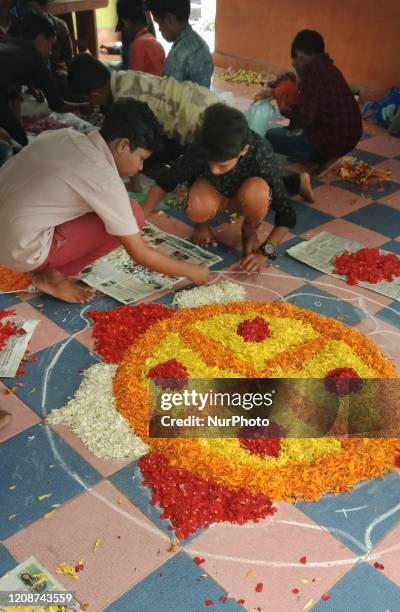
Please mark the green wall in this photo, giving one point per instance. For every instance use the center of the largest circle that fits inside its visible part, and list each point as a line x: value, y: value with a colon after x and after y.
x: 107, y: 17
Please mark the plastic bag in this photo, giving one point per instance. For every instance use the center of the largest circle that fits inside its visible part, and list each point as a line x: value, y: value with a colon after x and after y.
x: 259, y: 116
x: 384, y: 110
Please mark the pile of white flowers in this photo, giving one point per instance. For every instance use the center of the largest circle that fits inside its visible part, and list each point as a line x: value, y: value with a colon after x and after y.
x: 92, y: 415
x: 220, y: 293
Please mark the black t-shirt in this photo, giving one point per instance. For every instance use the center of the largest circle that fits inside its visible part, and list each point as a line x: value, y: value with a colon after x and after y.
x: 259, y: 161
x: 22, y: 64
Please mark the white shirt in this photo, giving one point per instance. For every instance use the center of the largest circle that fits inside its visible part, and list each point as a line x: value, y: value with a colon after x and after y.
x: 59, y: 177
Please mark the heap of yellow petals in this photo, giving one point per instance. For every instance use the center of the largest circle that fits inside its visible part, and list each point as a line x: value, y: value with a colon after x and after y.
x: 302, y: 345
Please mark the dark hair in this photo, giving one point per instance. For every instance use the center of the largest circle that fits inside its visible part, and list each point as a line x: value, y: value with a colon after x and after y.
x: 131, y: 119
x: 33, y: 24
x: 223, y: 133
x: 42, y: 3
x: 179, y: 8
x: 86, y: 74
x: 132, y: 10
x: 308, y: 41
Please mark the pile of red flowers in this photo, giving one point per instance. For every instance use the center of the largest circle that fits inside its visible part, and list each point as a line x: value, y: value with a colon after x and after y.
x: 254, y: 330
x: 170, y: 375
x: 368, y: 265
x: 191, y: 503
x: 115, y: 331
x: 343, y: 381
x: 7, y: 329
x: 263, y: 447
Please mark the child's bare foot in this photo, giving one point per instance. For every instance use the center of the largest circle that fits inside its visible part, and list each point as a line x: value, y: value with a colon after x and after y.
x: 203, y: 235
x: 5, y: 419
x: 306, y: 190
x: 61, y: 287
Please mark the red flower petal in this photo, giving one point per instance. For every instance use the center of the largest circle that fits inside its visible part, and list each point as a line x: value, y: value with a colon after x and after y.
x: 241, y: 602
x: 296, y: 591
x: 303, y: 560
x: 379, y: 566
x: 397, y: 461
x: 266, y: 447
x: 254, y: 330
x: 223, y: 598
x: 259, y: 587
x: 325, y: 597
x: 199, y: 560
x: 209, y: 602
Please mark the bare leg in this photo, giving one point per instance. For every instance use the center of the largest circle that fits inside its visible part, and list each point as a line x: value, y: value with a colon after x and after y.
x: 306, y: 190
x: 204, y: 202
x: 251, y: 201
x: 58, y: 285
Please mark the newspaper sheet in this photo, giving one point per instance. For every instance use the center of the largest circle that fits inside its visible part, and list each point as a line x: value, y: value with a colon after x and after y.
x: 13, y: 352
x: 320, y: 250
x: 30, y: 577
x: 118, y: 276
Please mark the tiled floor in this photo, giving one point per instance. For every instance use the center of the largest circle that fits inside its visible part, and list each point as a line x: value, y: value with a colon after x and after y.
x: 342, y: 537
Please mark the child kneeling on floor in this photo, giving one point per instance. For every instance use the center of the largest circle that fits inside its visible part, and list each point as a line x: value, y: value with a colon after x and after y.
x: 231, y: 168
x: 63, y: 203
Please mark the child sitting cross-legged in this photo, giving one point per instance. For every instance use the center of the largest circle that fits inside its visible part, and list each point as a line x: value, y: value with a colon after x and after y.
x: 229, y: 167
x: 63, y: 203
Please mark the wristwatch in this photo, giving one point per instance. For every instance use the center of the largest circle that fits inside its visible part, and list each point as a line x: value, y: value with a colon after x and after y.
x: 269, y: 250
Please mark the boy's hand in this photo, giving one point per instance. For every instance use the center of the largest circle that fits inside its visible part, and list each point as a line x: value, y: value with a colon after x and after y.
x: 199, y: 275
x: 254, y: 263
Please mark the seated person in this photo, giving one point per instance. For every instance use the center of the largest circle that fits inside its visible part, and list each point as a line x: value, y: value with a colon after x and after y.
x: 230, y: 168
x: 23, y: 62
x: 8, y: 21
x: 62, y: 50
x: 63, y: 203
x: 178, y: 106
x: 326, y: 123
x: 146, y: 53
x: 189, y: 58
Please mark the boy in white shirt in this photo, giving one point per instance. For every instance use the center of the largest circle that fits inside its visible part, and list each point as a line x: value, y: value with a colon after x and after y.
x: 63, y: 203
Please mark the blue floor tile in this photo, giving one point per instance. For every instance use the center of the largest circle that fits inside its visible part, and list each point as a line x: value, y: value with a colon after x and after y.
x: 321, y: 302
x: 7, y: 300
x: 363, y: 589
x: 44, y: 388
x: 308, y: 218
x: 378, y: 218
x: 393, y: 246
x: 348, y: 516
x: 375, y: 192
x: 72, y: 317
x: 371, y: 158
x: 180, y: 588
x: 25, y: 461
x: 130, y: 482
x: 292, y: 266
x: 7, y: 561
x: 390, y: 314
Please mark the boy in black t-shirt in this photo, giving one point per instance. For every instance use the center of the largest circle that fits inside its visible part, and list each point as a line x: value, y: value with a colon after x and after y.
x: 232, y: 168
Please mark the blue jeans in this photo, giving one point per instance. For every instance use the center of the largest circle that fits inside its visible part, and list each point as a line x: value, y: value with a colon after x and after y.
x: 293, y: 143
x: 6, y: 152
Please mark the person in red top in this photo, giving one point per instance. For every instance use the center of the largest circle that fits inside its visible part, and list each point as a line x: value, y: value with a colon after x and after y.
x: 147, y: 54
x: 326, y: 123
